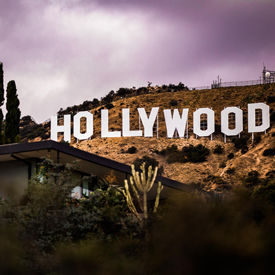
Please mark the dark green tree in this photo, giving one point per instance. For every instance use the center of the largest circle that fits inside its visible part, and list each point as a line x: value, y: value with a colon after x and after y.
x: 13, y: 114
x: 1, y: 101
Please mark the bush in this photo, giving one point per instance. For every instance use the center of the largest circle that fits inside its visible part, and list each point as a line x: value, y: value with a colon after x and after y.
x: 197, y: 153
x: 269, y: 152
x: 212, y: 234
x: 48, y: 214
x: 95, y: 102
x: 149, y: 162
x: 26, y: 121
x: 132, y: 150
x: 218, y: 150
x: 230, y: 156
x: 187, y: 154
x: 109, y: 106
x: 97, y: 236
x: 123, y: 92
x: 230, y: 171
x: 173, y: 102
x: 142, y: 90
x: 241, y: 143
x: 271, y: 99
x: 169, y: 150
x: 108, y: 98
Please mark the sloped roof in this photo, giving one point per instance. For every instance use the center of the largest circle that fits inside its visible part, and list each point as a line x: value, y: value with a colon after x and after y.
x: 11, y: 149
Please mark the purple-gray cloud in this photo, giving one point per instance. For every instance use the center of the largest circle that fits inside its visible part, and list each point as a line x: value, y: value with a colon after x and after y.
x: 64, y: 52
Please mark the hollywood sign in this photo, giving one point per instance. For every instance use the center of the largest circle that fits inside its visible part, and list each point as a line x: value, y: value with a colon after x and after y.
x: 175, y: 122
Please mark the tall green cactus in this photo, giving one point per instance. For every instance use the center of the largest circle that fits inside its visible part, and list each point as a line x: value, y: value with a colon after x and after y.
x: 140, y: 186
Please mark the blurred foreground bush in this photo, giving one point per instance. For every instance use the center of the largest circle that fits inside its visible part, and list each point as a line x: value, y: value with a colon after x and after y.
x: 197, y: 233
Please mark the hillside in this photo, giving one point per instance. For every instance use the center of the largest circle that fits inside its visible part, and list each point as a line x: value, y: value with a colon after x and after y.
x: 218, y: 171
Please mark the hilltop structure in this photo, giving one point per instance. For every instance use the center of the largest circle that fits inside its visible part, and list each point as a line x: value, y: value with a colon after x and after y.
x: 268, y: 76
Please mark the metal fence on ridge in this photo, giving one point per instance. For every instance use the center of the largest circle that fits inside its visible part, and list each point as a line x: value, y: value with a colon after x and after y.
x: 234, y: 84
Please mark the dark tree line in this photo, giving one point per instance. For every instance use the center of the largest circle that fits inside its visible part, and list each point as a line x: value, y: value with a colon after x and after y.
x: 9, y: 129
x: 122, y: 93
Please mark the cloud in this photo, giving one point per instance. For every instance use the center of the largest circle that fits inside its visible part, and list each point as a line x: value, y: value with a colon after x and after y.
x: 62, y: 56
x: 64, y: 52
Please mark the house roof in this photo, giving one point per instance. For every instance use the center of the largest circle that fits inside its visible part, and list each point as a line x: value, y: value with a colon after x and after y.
x: 18, y: 148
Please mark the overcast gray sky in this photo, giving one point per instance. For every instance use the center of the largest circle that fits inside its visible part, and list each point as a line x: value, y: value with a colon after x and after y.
x: 61, y: 53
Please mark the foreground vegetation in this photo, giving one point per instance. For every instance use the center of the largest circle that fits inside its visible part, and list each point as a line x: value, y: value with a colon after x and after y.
x: 48, y: 232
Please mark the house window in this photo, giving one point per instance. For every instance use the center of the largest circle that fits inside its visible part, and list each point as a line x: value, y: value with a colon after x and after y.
x: 40, y: 172
x: 84, y: 188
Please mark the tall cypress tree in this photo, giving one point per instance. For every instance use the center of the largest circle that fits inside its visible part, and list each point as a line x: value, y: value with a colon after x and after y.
x: 1, y: 101
x: 13, y: 114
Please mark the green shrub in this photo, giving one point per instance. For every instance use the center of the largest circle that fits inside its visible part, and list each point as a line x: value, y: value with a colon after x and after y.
x: 132, y: 150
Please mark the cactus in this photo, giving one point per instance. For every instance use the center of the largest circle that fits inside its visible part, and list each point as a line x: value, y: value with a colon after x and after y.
x: 140, y: 186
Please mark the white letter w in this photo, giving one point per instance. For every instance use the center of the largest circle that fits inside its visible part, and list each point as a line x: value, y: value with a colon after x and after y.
x: 176, y: 122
